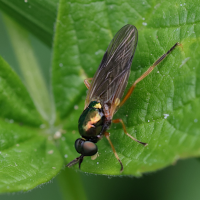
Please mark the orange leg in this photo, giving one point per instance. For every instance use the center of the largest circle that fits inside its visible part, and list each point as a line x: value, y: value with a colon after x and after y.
x: 86, y: 81
x: 146, y: 73
x: 124, y: 127
x: 107, y: 135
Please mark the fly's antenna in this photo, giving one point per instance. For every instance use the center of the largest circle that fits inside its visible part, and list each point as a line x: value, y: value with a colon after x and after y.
x: 76, y: 160
x: 80, y: 161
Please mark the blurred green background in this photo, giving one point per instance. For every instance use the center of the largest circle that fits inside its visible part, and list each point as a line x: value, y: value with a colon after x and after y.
x: 176, y: 182
x: 180, y: 181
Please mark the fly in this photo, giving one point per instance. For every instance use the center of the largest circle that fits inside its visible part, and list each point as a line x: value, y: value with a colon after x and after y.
x: 105, y: 93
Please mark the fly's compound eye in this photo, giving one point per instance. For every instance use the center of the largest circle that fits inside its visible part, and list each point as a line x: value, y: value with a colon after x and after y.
x: 89, y: 148
x: 79, y: 145
x: 85, y: 148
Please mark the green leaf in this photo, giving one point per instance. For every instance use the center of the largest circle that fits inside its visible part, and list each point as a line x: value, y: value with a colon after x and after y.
x: 15, y: 102
x: 26, y: 159
x: 28, y: 156
x: 37, y: 16
x: 163, y: 110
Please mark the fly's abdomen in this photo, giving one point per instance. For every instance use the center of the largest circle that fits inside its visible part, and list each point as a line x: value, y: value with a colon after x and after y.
x: 91, y: 121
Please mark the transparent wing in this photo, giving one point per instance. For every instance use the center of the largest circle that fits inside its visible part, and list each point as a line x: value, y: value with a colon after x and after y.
x: 110, y: 80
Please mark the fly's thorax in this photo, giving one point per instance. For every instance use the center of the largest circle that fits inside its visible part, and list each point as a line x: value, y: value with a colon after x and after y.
x: 91, y: 121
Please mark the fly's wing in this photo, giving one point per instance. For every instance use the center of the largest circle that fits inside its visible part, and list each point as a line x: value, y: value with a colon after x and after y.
x: 110, y: 80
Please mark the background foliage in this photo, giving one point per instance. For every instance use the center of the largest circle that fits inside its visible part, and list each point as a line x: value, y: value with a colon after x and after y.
x: 162, y: 110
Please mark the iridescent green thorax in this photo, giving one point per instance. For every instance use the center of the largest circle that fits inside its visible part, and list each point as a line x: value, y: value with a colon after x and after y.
x: 91, y: 121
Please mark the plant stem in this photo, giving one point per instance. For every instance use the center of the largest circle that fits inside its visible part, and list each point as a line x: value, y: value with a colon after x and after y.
x: 70, y: 185
x: 30, y: 69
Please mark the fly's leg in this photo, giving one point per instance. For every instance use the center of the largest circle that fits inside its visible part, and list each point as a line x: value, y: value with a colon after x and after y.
x: 124, y: 127
x: 146, y: 73
x: 107, y: 135
x: 86, y: 82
